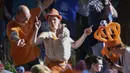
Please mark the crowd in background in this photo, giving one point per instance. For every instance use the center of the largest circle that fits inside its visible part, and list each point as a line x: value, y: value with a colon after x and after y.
x: 21, y: 44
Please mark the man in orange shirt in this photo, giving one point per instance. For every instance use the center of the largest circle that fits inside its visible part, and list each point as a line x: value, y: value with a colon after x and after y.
x: 19, y: 31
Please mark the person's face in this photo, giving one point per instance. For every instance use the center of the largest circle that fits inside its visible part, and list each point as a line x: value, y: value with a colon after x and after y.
x: 98, y: 66
x: 116, y: 49
x: 24, y: 17
x: 54, y: 22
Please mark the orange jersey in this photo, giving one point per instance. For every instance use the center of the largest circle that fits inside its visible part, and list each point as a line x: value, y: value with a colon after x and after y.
x: 23, y: 55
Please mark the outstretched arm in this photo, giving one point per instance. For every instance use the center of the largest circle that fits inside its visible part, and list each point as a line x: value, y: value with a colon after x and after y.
x: 79, y: 42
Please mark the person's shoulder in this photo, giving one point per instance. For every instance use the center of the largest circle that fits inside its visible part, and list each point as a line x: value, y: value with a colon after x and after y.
x: 12, y: 24
x: 65, y: 27
x: 66, y: 31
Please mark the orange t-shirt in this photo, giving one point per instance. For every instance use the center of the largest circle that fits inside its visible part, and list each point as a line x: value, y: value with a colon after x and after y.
x: 23, y: 55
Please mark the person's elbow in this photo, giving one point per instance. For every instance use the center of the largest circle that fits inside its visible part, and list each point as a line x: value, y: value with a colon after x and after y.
x: 73, y: 45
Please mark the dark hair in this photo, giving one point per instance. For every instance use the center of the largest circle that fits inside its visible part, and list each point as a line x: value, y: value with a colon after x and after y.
x: 89, y: 60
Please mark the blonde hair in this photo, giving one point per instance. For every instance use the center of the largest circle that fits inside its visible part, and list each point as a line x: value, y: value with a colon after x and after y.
x: 40, y: 69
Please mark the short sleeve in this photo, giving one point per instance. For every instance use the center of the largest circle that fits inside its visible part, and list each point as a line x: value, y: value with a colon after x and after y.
x: 67, y: 34
x: 10, y: 29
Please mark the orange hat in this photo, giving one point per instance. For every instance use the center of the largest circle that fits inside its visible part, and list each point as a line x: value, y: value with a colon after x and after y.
x: 105, y: 52
x: 111, y: 29
x: 53, y: 12
x: 112, y: 56
x: 105, y: 34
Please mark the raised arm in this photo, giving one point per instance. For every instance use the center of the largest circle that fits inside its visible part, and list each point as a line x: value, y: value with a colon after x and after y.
x: 35, y: 39
x: 79, y: 42
x: 44, y: 5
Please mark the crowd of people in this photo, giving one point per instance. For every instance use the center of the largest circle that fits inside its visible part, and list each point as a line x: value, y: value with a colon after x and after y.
x: 63, y: 32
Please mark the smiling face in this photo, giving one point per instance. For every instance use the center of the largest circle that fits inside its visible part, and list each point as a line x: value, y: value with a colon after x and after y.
x: 97, y: 66
x: 54, y: 22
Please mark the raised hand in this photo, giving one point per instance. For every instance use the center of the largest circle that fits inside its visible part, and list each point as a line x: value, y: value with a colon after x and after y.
x: 88, y: 31
x: 37, y: 23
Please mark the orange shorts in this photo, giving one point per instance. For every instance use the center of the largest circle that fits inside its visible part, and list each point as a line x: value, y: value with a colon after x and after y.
x: 55, y: 66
